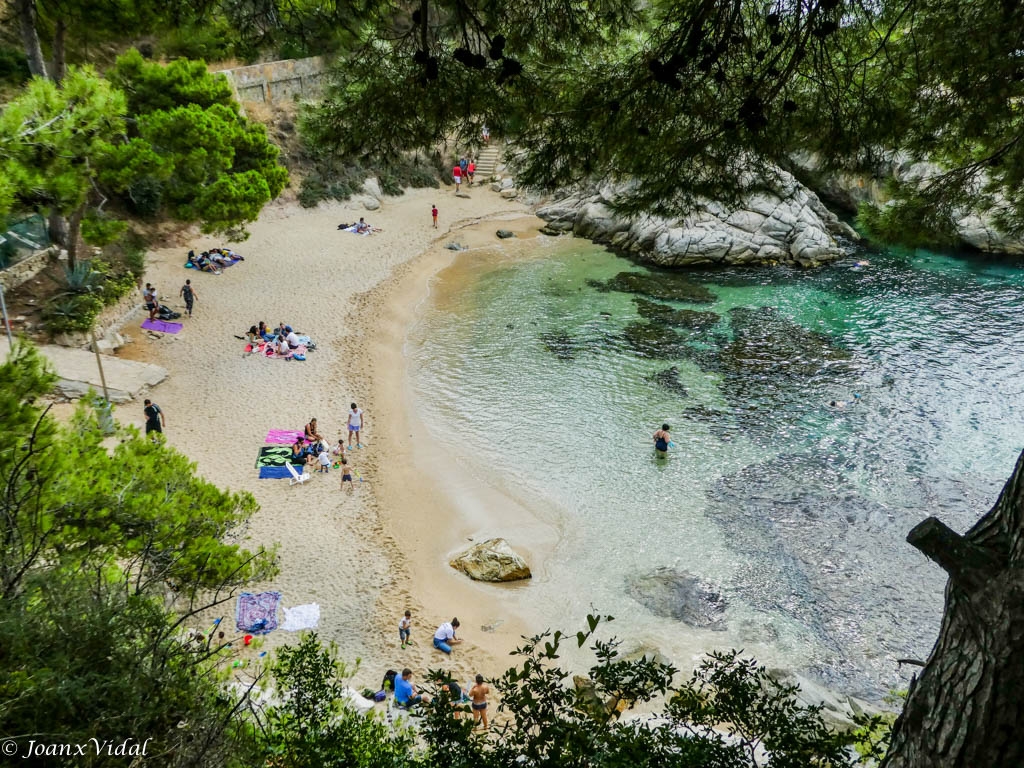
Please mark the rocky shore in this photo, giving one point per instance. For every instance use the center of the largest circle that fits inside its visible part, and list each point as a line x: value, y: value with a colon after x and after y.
x: 788, y: 225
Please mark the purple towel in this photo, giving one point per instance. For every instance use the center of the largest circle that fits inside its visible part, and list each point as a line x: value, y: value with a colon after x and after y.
x: 284, y: 436
x: 161, y: 325
x: 257, y: 613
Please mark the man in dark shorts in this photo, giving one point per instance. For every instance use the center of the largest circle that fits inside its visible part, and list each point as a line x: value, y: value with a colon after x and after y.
x: 149, y: 296
x: 188, y: 293
x: 155, y: 421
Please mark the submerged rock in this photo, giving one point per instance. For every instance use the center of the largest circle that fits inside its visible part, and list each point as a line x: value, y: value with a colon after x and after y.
x: 669, y: 379
x: 679, y: 595
x: 665, y: 286
x: 560, y: 344
x: 677, y: 318
x: 505, y: 234
x: 653, y: 340
x: 491, y: 560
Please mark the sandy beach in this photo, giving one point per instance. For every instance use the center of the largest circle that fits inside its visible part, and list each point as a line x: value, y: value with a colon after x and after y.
x: 363, y: 556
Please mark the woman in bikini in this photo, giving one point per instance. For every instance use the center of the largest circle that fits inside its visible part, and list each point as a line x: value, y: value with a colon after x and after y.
x: 478, y: 693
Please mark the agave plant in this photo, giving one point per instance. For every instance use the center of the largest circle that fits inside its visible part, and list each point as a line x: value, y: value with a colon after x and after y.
x: 82, y: 278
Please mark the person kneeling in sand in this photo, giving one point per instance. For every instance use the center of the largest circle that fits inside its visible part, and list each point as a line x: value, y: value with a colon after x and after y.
x: 406, y: 694
x: 444, y: 637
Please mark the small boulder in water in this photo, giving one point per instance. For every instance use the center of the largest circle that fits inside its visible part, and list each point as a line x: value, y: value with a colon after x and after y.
x: 505, y: 234
x: 560, y: 344
x: 669, y: 379
x: 491, y: 560
x: 455, y: 247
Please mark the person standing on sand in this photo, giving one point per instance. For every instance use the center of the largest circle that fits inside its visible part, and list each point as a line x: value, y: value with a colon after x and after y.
x: 188, y: 293
x: 433, y: 212
x: 355, y: 425
x: 478, y: 693
x: 444, y: 637
x: 346, y: 474
x: 155, y: 421
x: 149, y: 297
x: 457, y: 177
x: 405, y: 629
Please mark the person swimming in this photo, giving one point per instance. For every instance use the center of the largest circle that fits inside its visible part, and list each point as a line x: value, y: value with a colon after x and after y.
x: 662, y: 439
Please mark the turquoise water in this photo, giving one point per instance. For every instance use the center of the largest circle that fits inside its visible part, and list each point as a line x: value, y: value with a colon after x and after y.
x: 794, y: 510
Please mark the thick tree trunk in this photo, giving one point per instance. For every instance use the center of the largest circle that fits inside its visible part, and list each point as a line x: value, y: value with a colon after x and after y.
x: 966, y: 710
x: 26, y: 13
x: 75, y: 235
x: 59, y: 65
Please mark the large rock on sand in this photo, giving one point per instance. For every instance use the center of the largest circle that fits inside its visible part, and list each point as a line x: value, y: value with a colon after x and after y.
x: 491, y: 560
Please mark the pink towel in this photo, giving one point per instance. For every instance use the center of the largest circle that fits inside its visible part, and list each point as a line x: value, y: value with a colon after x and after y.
x: 283, y: 436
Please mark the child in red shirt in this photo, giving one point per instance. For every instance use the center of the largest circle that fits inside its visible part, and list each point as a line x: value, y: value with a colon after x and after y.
x: 433, y: 212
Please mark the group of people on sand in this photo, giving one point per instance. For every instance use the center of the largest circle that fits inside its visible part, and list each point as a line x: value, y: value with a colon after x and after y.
x: 213, y: 260
x: 406, y: 693
x: 282, y: 341
x: 312, y: 448
x: 464, y: 169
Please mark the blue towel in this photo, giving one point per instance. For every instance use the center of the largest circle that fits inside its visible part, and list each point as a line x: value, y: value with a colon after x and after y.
x: 275, y: 473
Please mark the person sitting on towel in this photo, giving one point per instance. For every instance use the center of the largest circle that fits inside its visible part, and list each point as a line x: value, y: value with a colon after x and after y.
x: 202, y: 263
x: 292, y: 337
x: 282, y: 347
x: 253, y: 334
x: 264, y: 331
x: 311, y: 432
x: 219, y: 258
x: 362, y: 227
x: 301, y: 454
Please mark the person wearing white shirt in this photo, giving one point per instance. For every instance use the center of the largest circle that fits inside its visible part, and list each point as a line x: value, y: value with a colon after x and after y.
x: 293, y: 338
x: 355, y: 425
x: 444, y: 637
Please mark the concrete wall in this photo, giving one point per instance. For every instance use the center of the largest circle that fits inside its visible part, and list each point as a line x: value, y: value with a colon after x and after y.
x: 278, y: 82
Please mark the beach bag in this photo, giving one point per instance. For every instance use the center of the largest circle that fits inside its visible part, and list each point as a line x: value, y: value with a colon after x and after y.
x: 380, y: 695
x: 166, y: 313
x: 389, y: 680
x: 297, y: 356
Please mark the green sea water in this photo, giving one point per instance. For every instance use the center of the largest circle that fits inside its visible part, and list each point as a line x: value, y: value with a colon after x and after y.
x: 792, y: 510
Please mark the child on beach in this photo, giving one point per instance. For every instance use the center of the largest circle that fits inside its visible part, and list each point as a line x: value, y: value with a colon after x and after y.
x: 433, y: 212
x: 325, y: 462
x: 478, y: 693
x: 346, y: 474
x: 339, y: 449
x: 405, y: 629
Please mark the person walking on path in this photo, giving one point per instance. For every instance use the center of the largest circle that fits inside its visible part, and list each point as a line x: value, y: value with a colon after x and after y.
x: 433, y: 212
x: 444, y: 637
x: 457, y: 177
x: 478, y: 693
x: 149, y: 297
x: 355, y: 425
x: 188, y: 293
x: 485, y: 134
x: 471, y: 170
x: 155, y: 421
x: 405, y: 629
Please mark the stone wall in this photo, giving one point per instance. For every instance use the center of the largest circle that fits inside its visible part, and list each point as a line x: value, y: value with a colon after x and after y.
x: 278, y: 82
x: 23, y: 271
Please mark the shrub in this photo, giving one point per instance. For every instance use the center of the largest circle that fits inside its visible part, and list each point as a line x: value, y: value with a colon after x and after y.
x: 68, y: 313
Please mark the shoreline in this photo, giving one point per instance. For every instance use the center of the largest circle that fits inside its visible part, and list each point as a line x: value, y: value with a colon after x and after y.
x: 435, y: 504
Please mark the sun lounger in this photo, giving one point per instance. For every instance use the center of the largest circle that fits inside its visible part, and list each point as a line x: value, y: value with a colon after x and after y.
x: 296, y: 477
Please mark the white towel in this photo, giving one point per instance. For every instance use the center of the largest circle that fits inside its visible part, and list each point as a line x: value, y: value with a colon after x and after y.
x: 301, y: 617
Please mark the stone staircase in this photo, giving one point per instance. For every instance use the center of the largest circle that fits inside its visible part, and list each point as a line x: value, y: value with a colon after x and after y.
x: 487, y: 160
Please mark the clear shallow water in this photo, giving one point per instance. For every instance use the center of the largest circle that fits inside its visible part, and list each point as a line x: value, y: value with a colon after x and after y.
x: 794, y: 510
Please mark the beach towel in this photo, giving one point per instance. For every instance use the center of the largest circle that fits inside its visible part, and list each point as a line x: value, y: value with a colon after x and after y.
x: 273, y: 456
x: 301, y: 617
x: 190, y: 265
x: 161, y: 325
x: 274, y: 473
x: 284, y: 436
x: 257, y: 613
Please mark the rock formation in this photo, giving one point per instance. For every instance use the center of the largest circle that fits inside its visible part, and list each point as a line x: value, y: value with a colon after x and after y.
x: 789, y: 225
x: 491, y: 560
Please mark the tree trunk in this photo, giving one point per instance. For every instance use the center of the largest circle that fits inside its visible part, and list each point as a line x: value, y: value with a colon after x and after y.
x: 26, y: 13
x: 59, y: 65
x: 966, y: 710
x: 57, y: 229
x: 74, y: 235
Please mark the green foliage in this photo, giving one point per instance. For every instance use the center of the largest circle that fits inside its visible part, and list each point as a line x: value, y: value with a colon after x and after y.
x: 70, y: 313
x: 335, y: 179
x: 96, y: 543
x: 210, y: 40
x: 312, y: 728
x: 13, y: 66
x: 51, y: 139
x: 101, y: 229
x: 150, y: 86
